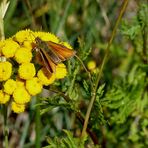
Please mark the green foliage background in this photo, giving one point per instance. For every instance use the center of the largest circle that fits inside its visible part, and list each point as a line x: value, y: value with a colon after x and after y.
x: 119, y: 117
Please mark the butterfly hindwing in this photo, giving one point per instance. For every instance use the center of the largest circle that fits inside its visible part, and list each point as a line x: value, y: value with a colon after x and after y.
x: 47, y: 62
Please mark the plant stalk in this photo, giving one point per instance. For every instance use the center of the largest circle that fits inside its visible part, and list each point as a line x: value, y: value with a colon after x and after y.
x: 38, y: 126
x: 5, y: 126
x: 124, y: 5
x: 3, y: 8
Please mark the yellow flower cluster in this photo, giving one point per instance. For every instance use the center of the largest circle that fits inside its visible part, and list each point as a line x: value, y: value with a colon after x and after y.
x: 19, y: 76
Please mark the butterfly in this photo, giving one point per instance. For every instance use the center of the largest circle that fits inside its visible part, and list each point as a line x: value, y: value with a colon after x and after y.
x: 49, y: 54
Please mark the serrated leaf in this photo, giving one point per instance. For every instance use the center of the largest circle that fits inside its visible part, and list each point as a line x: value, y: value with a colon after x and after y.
x: 86, y: 86
x: 45, y: 110
x: 100, y: 90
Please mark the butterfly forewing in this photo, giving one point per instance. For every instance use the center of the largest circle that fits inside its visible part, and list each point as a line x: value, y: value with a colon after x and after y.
x: 62, y: 52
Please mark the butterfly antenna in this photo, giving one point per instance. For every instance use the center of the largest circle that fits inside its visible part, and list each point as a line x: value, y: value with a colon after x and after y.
x: 84, y: 67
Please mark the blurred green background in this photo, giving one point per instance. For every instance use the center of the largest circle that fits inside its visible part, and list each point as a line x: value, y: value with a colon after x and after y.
x: 120, y: 114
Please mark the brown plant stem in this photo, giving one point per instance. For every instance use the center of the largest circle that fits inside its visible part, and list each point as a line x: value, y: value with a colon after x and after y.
x: 145, y: 41
x: 79, y: 117
x: 125, y: 2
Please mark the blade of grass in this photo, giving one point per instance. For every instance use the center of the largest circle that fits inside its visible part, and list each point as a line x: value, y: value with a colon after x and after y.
x: 63, y: 19
x: 24, y: 133
x: 10, y: 12
x: 3, y: 8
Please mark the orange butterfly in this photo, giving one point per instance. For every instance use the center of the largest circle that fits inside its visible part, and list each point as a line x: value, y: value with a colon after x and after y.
x: 50, y: 54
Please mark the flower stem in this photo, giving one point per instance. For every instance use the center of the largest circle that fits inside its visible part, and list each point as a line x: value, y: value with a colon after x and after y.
x: 102, y: 66
x: 5, y: 126
x: 38, y: 126
x: 3, y: 6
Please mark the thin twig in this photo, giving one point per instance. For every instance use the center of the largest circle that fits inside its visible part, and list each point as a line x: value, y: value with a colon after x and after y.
x: 102, y: 66
x: 86, y: 70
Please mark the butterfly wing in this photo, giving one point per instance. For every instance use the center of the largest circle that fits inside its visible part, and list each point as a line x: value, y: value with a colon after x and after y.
x: 46, y: 61
x: 47, y: 50
x: 62, y: 52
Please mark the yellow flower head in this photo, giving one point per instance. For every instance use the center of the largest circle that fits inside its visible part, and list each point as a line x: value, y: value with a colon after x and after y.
x: 20, y: 82
x: 17, y: 108
x: 2, y: 44
x: 61, y: 71
x: 10, y: 48
x: 91, y: 65
x: 26, y: 71
x: 5, y: 70
x: 66, y: 45
x: 9, y: 86
x: 45, y: 36
x: 28, y: 45
x: 4, y: 98
x: 34, y: 86
x: 44, y: 79
x: 21, y: 96
x: 23, y: 55
x: 24, y: 35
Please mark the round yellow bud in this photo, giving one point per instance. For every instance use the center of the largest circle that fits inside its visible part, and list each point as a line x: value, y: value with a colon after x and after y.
x: 9, y: 86
x: 17, y: 108
x: 44, y: 79
x: 5, y: 70
x: 26, y: 71
x: 91, y: 65
x: 10, y: 48
x: 33, y: 86
x: 23, y: 55
x: 61, y: 71
x: 21, y: 96
x: 4, y: 98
